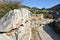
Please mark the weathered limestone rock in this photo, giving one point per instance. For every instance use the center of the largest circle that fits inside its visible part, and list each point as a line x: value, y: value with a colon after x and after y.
x: 5, y: 37
x: 15, y: 25
x: 10, y: 21
x: 26, y: 28
x: 19, y: 24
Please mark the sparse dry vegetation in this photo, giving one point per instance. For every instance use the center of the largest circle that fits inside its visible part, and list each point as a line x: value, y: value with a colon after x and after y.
x: 7, y: 6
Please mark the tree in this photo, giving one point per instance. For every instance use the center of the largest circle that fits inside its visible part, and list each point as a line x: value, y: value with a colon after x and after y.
x: 43, y: 8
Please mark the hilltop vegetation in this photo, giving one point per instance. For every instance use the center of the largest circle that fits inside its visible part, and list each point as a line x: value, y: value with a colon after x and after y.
x: 7, y: 6
x: 56, y: 7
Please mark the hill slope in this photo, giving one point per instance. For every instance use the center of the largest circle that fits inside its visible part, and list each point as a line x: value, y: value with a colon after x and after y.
x: 57, y: 7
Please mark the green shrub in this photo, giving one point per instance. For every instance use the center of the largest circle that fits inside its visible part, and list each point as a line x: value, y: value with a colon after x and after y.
x: 40, y: 12
x: 7, y: 6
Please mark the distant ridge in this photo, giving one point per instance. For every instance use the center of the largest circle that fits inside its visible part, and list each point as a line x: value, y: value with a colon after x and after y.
x: 56, y: 7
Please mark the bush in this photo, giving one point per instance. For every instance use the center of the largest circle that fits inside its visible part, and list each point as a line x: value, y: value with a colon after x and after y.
x: 7, y: 6
x: 40, y: 12
x: 49, y: 16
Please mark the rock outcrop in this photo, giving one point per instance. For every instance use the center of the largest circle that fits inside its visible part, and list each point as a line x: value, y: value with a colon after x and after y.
x: 20, y: 24
x: 15, y: 25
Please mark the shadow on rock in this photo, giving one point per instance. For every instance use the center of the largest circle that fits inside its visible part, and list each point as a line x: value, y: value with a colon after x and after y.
x: 50, y: 32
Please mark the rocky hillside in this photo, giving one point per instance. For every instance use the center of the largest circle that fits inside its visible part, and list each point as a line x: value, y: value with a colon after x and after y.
x: 57, y: 7
x: 21, y: 24
x: 15, y: 25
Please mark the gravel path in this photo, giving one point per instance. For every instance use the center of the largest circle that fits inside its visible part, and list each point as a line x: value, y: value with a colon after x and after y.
x: 47, y: 33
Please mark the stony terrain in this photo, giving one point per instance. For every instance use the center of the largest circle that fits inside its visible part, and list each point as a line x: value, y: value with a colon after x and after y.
x: 15, y: 25
x: 21, y: 24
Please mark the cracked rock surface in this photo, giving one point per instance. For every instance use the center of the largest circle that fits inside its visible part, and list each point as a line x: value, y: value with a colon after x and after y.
x: 15, y: 25
x: 19, y: 24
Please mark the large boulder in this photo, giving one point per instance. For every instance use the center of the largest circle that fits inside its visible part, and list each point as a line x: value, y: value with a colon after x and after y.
x: 10, y: 21
x: 15, y: 25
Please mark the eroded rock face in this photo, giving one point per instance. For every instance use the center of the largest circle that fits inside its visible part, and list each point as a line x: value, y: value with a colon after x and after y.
x: 19, y: 24
x: 10, y: 20
x: 15, y: 25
